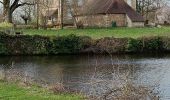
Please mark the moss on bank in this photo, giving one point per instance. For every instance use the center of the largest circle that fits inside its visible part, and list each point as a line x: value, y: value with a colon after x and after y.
x: 72, y: 44
x: 11, y: 91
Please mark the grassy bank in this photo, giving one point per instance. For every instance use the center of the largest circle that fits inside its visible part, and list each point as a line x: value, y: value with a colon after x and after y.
x: 100, y: 33
x: 11, y: 91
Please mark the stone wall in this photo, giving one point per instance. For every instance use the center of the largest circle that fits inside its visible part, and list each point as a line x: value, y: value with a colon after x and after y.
x: 102, y: 20
x: 134, y: 24
x: 138, y: 24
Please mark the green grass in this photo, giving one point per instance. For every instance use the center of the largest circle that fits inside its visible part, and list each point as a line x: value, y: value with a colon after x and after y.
x: 11, y: 91
x: 99, y: 33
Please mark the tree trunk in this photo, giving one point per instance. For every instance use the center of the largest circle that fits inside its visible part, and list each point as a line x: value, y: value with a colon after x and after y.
x: 10, y: 17
x: 6, y: 11
x: 26, y: 21
x: 60, y: 14
x: 38, y: 13
x: 7, y: 16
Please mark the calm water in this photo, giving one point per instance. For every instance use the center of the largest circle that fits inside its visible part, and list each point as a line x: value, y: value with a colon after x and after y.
x: 77, y: 72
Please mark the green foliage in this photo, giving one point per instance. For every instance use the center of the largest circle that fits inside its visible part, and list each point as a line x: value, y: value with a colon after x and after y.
x: 7, y: 28
x: 37, y: 45
x: 5, y: 25
x: 86, y: 41
x: 32, y: 45
x: 40, y: 44
x: 12, y: 91
x: 67, y: 44
x: 154, y: 44
x: 134, y: 45
x: 72, y: 44
x: 3, y: 49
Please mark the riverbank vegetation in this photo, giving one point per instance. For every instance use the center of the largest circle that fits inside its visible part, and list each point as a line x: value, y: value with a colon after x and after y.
x: 16, y: 85
x: 101, y: 33
x: 13, y: 91
x: 72, y: 44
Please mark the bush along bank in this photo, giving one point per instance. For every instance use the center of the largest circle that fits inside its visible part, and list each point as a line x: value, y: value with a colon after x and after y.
x: 72, y: 44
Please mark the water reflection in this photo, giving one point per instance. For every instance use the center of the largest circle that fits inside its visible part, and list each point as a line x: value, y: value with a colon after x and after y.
x: 76, y: 71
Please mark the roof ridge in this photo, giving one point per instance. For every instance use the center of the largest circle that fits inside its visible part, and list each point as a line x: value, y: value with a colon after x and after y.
x: 129, y: 14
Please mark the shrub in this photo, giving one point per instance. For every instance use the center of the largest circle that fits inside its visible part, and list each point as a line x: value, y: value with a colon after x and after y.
x: 71, y: 44
x: 5, y: 25
x: 80, y: 25
x: 26, y: 26
x: 40, y: 45
x: 154, y: 44
x: 67, y: 44
x: 86, y: 42
x: 134, y: 45
x: 166, y: 42
x: 3, y: 49
x: 6, y: 28
x: 111, y: 45
x: 24, y: 44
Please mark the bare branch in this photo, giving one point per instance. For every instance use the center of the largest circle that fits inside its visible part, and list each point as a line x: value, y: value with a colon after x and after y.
x: 16, y: 4
x: 1, y: 2
x: 25, y: 3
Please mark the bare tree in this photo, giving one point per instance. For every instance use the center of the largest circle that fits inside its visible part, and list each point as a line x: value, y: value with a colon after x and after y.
x: 27, y: 13
x: 74, y: 8
x: 43, y: 11
x: 145, y: 7
x: 9, y: 6
x: 38, y: 8
x: 25, y: 18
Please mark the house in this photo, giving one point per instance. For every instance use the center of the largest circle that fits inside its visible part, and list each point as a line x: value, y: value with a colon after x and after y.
x: 110, y: 13
x: 94, y: 13
x: 51, y: 13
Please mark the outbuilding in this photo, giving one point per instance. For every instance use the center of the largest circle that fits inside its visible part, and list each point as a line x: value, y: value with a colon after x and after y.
x: 109, y: 13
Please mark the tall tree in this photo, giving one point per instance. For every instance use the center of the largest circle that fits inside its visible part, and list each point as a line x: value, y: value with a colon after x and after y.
x: 9, y: 6
x: 61, y: 15
x: 145, y: 7
x: 74, y: 7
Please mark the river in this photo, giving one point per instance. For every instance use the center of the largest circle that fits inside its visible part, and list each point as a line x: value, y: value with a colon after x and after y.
x: 78, y: 71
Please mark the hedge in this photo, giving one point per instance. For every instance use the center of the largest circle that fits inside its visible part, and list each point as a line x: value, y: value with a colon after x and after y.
x: 72, y: 44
